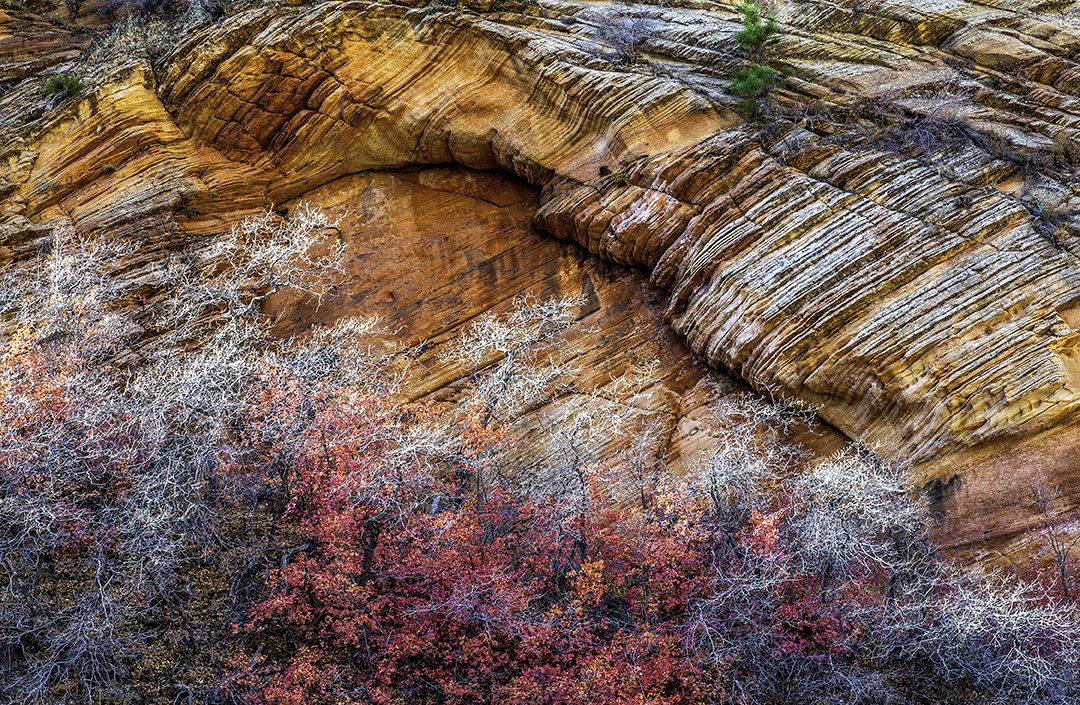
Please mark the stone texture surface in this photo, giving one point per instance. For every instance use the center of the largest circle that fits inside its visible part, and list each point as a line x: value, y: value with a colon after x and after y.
x: 898, y: 247
x: 430, y: 250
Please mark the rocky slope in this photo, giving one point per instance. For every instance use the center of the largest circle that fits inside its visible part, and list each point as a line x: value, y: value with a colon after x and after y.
x: 895, y: 242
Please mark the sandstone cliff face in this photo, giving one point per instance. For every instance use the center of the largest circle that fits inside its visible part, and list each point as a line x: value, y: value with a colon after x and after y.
x: 898, y: 247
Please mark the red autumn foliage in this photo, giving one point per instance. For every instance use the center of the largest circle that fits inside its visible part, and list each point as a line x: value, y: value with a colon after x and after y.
x: 409, y: 585
x: 418, y: 570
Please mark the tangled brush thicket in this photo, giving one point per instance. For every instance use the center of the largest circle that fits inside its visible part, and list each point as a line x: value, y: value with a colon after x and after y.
x: 192, y: 512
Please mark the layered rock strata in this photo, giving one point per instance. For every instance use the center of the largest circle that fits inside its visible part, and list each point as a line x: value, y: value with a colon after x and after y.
x: 895, y: 243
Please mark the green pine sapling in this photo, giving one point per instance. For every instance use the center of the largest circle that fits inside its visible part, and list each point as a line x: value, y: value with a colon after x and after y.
x: 754, y: 80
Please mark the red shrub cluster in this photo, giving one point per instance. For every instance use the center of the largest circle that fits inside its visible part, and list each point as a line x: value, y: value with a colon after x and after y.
x: 409, y: 587
x: 368, y: 550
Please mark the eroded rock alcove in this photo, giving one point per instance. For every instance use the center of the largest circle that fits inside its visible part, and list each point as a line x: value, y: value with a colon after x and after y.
x: 897, y: 247
x: 432, y: 249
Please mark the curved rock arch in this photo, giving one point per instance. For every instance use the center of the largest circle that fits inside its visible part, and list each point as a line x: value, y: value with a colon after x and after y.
x: 917, y: 307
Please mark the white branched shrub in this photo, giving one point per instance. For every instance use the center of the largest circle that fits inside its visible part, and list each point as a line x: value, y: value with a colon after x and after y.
x: 226, y: 283
x: 587, y: 427
x: 113, y: 459
x: 857, y: 513
x: 522, y: 355
x: 750, y: 458
x: 997, y: 636
x: 624, y: 29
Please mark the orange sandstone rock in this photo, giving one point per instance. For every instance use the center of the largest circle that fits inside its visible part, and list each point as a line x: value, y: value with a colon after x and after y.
x: 899, y: 250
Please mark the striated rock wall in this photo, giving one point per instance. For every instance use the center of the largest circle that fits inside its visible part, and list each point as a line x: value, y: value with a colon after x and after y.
x: 895, y: 243
x: 430, y: 250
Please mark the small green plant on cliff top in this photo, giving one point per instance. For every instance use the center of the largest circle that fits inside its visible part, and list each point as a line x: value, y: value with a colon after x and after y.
x: 755, y: 34
x: 753, y: 81
x: 62, y: 84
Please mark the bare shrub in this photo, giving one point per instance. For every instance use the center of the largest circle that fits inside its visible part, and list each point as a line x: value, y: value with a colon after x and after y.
x: 1056, y: 536
x: 751, y: 457
x: 112, y: 463
x: 923, y: 125
x: 996, y: 637
x: 1052, y: 562
x: 223, y: 286
x: 856, y: 514
x: 143, y: 29
x: 525, y: 349
x: 623, y: 29
x: 595, y: 442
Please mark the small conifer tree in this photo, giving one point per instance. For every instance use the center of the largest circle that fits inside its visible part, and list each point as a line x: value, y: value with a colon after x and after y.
x: 64, y: 84
x: 755, y: 34
x: 754, y: 80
